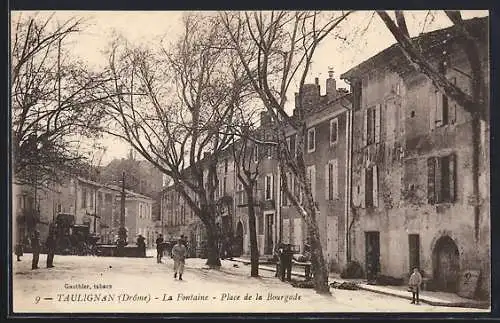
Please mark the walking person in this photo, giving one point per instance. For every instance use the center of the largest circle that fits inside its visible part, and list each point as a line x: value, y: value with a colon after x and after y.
x: 51, y: 248
x: 414, y: 285
x: 179, y: 256
x: 35, y: 247
x: 159, y: 248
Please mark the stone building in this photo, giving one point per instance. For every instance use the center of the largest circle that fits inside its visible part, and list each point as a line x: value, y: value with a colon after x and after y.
x: 327, y: 121
x: 326, y: 157
x: 90, y: 203
x: 412, y: 160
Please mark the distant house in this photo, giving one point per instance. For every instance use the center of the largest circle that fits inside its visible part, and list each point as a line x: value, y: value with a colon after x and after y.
x: 91, y: 203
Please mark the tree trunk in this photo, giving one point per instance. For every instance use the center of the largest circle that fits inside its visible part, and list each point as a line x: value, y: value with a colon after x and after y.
x: 213, y: 259
x: 318, y: 264
x: 254, y: 250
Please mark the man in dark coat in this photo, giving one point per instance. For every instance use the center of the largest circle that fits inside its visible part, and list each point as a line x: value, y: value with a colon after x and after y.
x: 159, y: 248
x: 35, y: 246
x: 51, y: 249
x: 286, y: 262
x: 141, y: 243
x: 277, y: 257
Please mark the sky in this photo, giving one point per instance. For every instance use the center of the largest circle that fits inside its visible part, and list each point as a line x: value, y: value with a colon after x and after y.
x: 364, y: 35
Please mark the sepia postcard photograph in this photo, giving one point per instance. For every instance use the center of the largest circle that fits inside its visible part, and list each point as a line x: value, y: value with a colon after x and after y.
x: 250, y: 161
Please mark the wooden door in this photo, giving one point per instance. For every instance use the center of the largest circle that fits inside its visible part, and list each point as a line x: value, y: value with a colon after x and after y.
x: 268, y: 238
x: 447, y: 266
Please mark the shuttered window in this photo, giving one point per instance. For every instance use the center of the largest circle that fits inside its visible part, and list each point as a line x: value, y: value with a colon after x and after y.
x: 84, y: 198
x: 333, y: 131
x: 372, y: 125
x: 284, y: 197
x: 311, y: 140
x: 255, y: 153
x: 443, y: 110
x: 369, y: 185
x: 331, y: 180
x: 269, y: 187
x: 441, y: 179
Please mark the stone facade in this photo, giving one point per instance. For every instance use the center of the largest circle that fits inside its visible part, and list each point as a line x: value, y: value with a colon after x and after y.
x: 412, y: 169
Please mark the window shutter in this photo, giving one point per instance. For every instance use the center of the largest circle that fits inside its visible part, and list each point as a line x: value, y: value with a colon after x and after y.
x: 327, y: 181
x: 390, y: 121
x: 365, y: 127
x: 335, y: 179
x: 362, y: 193
x: 432, y: 112
x: 438, y: 182
x: 431, y: 177
x: 377, y: 123
x: 439, y: 109
x: 272, y: 187
x: 313, y: 182
x: 452, y: 112
x: 375, y: 186
x: 453, y: 176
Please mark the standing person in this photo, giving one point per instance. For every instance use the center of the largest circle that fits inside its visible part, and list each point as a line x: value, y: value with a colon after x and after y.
x: 286, y: 263
x: 185, y: 243
x: 277, y: 257
x: 179, y: 256
x: 414, y: 285
x: 141, y: 244
x: 51, y: 248
x: 35, y: 246
x: 159, y: 248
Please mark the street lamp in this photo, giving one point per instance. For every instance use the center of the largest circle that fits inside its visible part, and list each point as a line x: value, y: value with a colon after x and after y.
x: 122, y: 232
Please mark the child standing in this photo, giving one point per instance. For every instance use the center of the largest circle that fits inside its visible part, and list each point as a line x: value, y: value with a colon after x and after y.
x: 414, y: 285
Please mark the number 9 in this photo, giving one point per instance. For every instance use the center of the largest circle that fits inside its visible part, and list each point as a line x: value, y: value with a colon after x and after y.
x: 37, y: 299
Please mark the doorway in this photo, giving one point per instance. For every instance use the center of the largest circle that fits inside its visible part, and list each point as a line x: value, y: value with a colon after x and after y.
x: 414, y: 251
x: 446, y: 261
x: 372, y: 250
x: 268, y: 236
x: 239, y: 239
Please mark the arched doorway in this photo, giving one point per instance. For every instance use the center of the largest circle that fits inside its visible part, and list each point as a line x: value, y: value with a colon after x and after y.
x: 239, y: 238
x: 446, y: 264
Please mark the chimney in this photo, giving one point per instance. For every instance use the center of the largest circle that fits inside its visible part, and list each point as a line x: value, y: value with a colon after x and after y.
x: 297, y: 100
x: 265, y: 119
x: 309, y: 97
x: 331, y: 85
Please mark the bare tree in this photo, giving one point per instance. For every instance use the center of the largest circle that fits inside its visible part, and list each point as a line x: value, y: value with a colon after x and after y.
x: 279, y: 47
x: 184, y: 136
x: 247, y: 161
x: 53, y: 100
x: 476, y: 103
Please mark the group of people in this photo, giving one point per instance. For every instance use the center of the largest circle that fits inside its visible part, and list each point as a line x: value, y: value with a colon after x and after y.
x: 36, y: 246
x: 178, y: 253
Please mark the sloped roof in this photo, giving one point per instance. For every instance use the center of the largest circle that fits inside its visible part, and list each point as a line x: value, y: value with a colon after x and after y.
x: 429, y: 43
